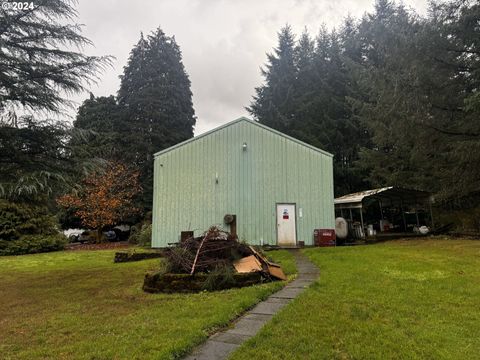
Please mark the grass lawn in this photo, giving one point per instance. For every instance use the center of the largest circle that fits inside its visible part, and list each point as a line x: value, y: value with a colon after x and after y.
x: 80, y: 305
x: 415, y: 299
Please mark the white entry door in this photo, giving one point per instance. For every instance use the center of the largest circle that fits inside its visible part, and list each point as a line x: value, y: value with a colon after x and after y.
x: 286, y: 225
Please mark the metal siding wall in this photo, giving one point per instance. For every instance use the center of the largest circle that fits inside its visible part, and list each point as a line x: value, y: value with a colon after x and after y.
x: 156, y: 209
x: 274, y: 169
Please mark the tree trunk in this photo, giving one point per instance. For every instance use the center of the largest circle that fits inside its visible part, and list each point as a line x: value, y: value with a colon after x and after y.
x: 98, y: 237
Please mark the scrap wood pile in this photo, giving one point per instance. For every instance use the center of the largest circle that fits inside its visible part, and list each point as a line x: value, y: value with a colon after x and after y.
x: 217, y: 249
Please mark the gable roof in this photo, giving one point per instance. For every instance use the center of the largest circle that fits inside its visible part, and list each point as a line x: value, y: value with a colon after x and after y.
x: 255, y: 123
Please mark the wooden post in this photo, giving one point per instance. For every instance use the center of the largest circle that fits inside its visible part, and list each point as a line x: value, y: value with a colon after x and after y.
x: 416, y: 215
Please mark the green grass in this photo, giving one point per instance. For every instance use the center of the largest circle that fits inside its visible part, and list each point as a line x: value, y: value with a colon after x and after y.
x: 80, y: 305
x: 415, y: 299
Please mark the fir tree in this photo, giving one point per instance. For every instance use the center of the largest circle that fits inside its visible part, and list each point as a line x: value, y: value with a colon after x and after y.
x: 156, y: 104
x: 314, y: 75
x: 417, y: 76
x: 273, y: 103
x: 394, y: 96
x: 98, y: 117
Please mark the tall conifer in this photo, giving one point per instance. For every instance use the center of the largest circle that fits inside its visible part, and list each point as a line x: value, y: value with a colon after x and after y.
x: 156, y: 103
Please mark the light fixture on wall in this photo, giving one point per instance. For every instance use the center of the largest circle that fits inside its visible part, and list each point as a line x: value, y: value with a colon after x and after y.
x: 244, y: 146
x: 216, y: 178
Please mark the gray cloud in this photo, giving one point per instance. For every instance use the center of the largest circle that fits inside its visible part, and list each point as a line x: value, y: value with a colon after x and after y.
x: 224, y: 43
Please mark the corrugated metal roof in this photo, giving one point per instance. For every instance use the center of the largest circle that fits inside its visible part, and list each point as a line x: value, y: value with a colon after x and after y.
x: 385, y: 192
x: 256, y: 123
x: 359, y: 196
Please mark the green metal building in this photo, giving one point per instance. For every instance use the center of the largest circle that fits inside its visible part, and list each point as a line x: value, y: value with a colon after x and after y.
x: 279, y: 188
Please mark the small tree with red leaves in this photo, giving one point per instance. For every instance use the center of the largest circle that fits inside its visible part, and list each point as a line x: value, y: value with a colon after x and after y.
x: 105, y: 198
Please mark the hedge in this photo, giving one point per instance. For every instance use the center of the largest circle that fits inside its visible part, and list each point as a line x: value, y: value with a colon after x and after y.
x: 18, y: 220
x: 31, y: 244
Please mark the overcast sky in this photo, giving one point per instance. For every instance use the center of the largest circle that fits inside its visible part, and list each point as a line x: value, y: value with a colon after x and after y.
x: 224, y: 43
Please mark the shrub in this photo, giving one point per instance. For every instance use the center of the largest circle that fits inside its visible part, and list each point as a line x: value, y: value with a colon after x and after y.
x: 133, y: 238
x: 220, y: 278
x: 17, y: 220
x: 465, y: 220
x: 177, y: 258
x: 142, y: 237
x: 31, y: 244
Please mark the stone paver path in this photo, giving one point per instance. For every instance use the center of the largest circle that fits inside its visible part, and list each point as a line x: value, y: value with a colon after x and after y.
x: 221, y: 344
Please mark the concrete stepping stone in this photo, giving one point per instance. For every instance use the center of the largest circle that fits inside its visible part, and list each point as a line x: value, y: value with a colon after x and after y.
x: 230, y: 337
x: 213, y: 350
x: 288, y: 293
x: 267, y: 307
x: 220, y: 345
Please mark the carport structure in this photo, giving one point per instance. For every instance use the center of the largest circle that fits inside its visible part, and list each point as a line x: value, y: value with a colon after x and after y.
x: 383, y: 203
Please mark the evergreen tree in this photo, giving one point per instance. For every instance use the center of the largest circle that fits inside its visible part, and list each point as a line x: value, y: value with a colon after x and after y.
x: 451, y: 41
x: 385, y: 41
x: 393, y: 96
x: 314, y: 76
x: 304, y: 58
x: 417, y: 77
x: 156, y: 104
x: 273, y: 103
x: 35, y: 71
x: 303, y: 90
x: 98, y: 117
x: 35, y: 158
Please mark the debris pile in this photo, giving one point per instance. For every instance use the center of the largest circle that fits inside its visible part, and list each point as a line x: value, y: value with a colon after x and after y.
x: 217, y: 248
x: 215, y: 260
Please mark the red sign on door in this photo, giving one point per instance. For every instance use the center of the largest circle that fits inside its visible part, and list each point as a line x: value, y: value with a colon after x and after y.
x: 285, y: 214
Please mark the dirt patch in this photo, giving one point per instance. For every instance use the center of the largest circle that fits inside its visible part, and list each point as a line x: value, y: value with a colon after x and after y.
x: 101, y: 246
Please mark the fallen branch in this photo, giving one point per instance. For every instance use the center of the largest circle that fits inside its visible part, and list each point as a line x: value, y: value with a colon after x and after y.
x: 198, y: 252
